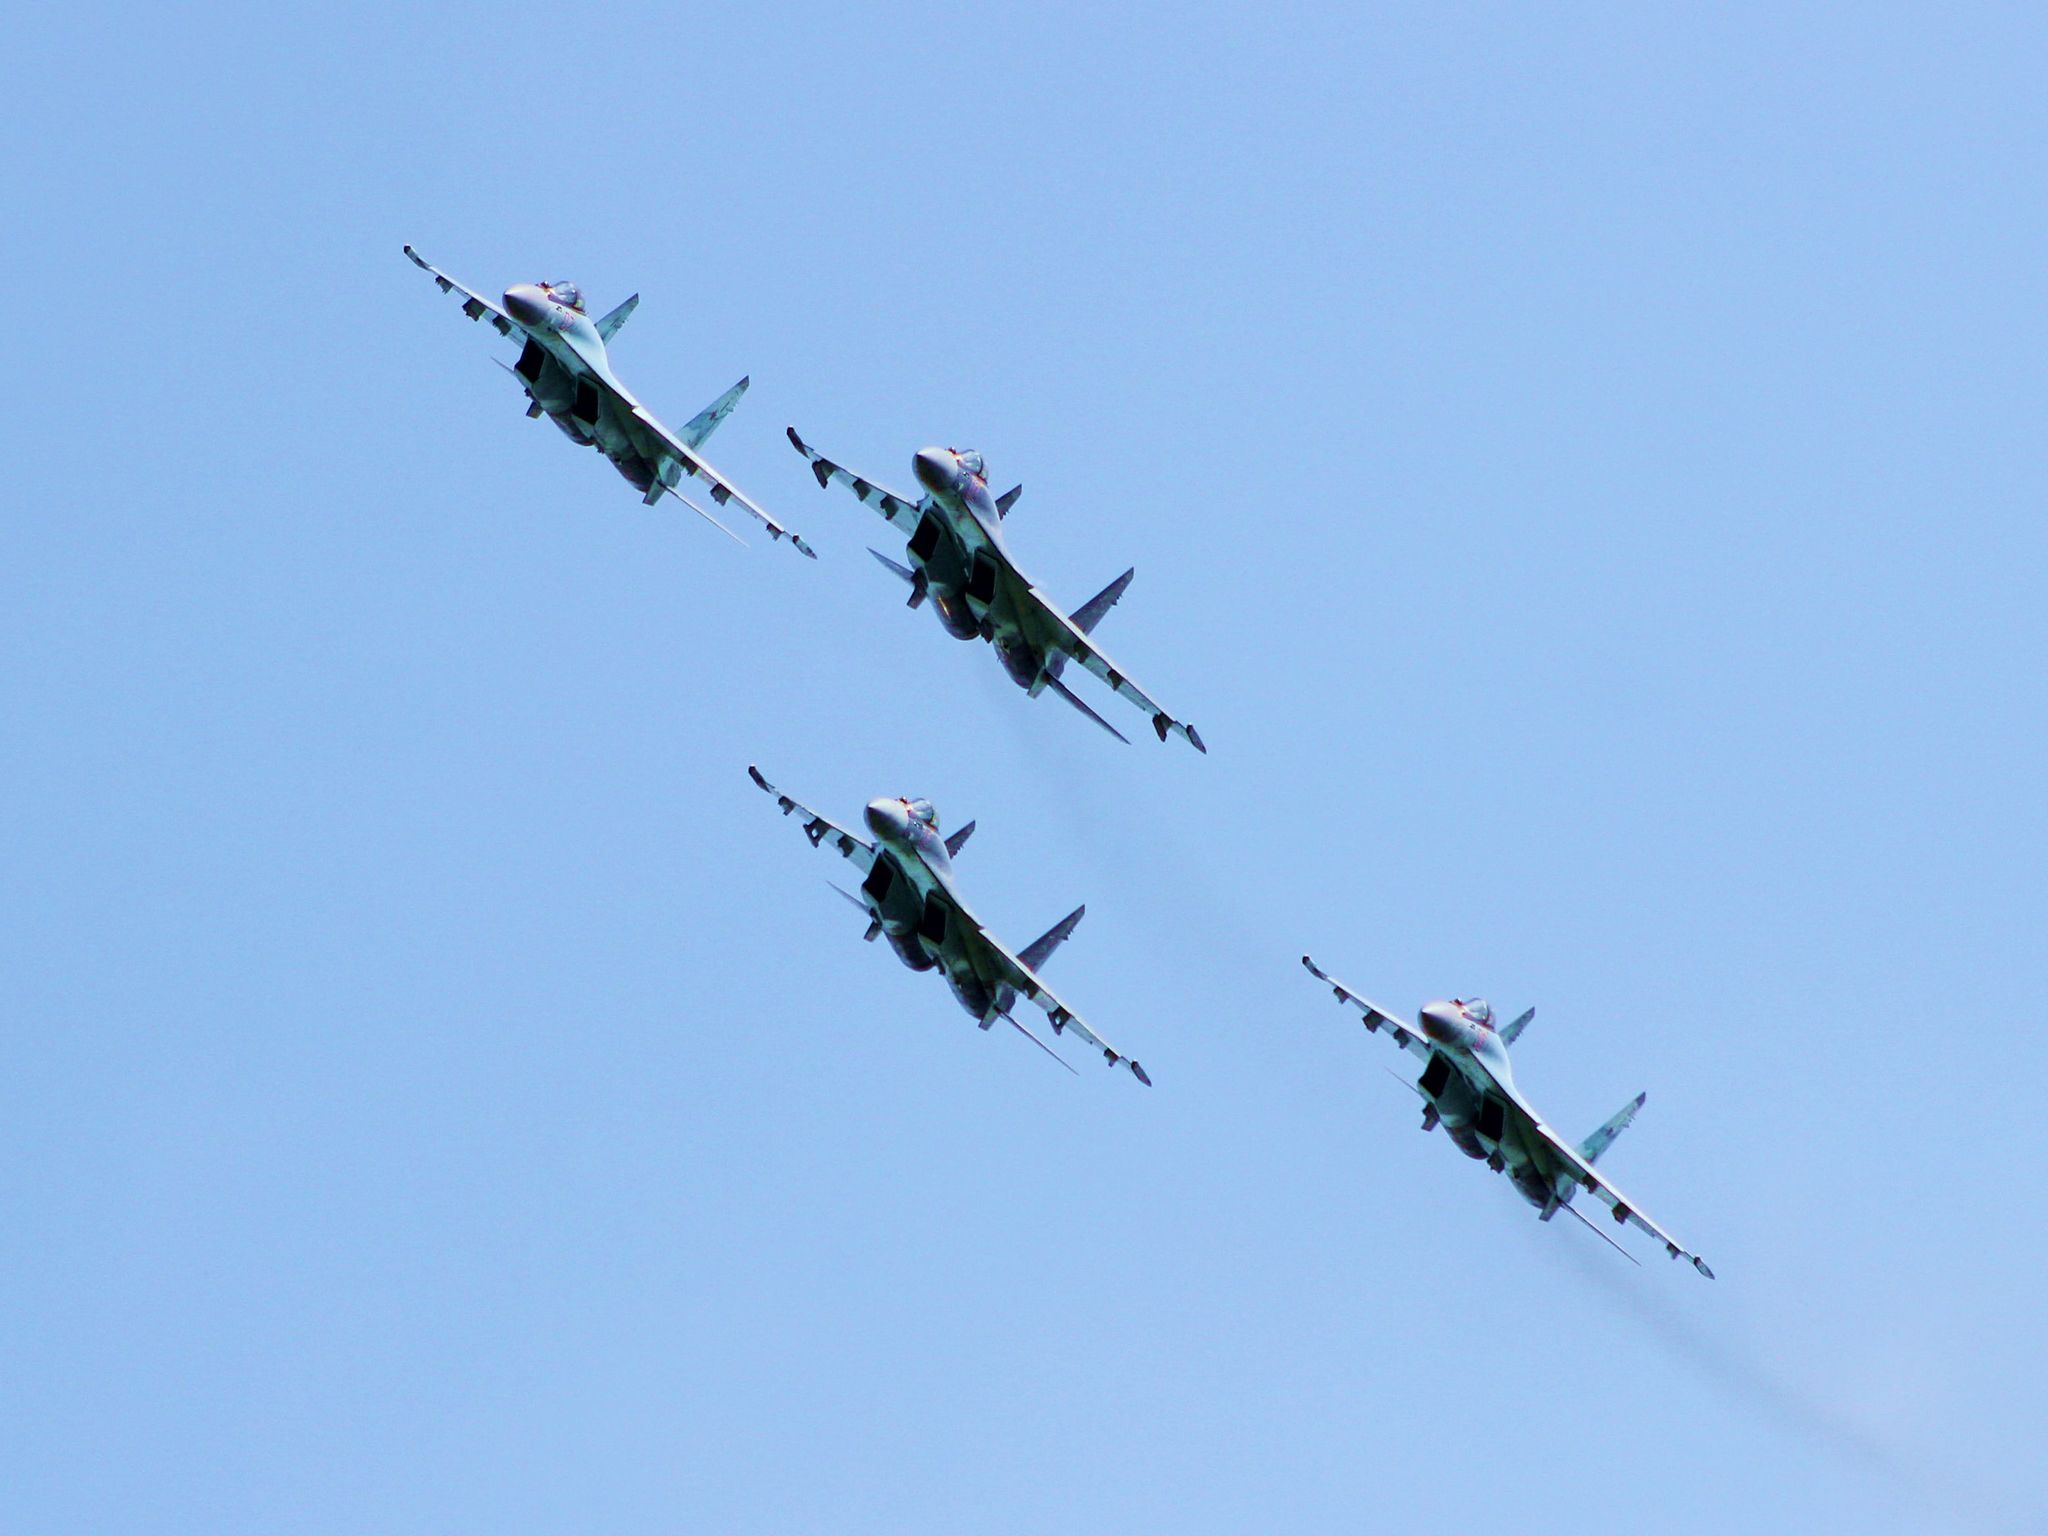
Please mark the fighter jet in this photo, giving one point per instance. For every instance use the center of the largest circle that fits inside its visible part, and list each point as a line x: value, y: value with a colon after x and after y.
x: 1466, y: 1088
x: 959, y: 560
x: 908, y: 892
x: 567, y: 375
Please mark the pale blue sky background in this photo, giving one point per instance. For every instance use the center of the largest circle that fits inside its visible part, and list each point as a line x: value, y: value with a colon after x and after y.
x: 1584, y: 473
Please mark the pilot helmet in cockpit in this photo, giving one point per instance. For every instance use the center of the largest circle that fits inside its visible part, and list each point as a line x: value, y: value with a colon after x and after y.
x: 566, y: 293
x: 972, y: 463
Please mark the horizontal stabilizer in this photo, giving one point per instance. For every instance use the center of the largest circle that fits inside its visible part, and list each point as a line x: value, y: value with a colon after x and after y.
x: 1512, y: 1032
x: 1090, y: 613
x: 1028, y: 1035
x: 608, y: 327
x: 1591, y: 1148
x: 1081, y: 704
x: 959, y: 840
x: 714, y: 522
x: 705, y: 422
x: 1008, y: 500
x: 909, y: 576
x: 1610, y: 1242
x: 1039, y: 950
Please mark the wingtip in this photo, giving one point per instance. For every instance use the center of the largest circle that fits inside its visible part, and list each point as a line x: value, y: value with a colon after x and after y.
x: 755, y: 774
x: 1195, y: 736
x: 1700, y: 1264
x: 795, y: 441
x: 1140, y: 1074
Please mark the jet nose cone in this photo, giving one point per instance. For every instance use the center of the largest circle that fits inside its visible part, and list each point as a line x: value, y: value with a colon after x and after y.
x: 523, y: 302
x: 935, y: 469
x: 885, y: 816
x: 1437, y: 1024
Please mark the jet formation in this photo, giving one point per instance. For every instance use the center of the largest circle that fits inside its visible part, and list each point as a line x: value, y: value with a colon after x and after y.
x: 959, y: 561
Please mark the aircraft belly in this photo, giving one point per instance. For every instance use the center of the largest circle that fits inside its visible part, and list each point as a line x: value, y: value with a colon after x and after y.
x: 970, y: 990
x: 941, y: 556
x: 896, y: 894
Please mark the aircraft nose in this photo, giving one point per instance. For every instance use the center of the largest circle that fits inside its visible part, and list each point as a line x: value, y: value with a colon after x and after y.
x: 523, y: 303
x: 935, y: 469
x: 1436, y: 1023
x: 886, y: 816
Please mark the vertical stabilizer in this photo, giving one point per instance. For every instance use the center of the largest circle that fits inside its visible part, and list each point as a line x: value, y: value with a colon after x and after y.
x: 608, y: 327
x: 1510, y: 1033
x: 1036, y: 953
x: 1591, y: 1148
x: 1090, y: 613
x: 705, y: 422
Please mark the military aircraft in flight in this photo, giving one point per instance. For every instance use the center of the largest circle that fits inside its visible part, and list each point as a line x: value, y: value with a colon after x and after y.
x: 567, y: 375
x: 1467, y: 1088
x: 908, y: 892
x: 958, y: 558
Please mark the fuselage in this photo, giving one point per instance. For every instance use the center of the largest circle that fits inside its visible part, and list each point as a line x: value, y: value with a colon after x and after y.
x: 552, y: 315
x: 1468, y: 1067
x: 562, y: 364
x: 910, y: 891
x: 958, y: 550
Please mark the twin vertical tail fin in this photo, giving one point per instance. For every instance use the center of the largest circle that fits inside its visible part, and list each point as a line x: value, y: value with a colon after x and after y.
x: 1039, y: 950
x: 1090, y: 613
x: 1591, y: 1148
x: 700, y: 426
x: 1512, y: 1032
x: 608, y: 327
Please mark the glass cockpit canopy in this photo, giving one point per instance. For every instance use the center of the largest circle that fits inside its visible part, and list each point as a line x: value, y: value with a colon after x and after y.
x: 1479, y: 1011
x: 972, y: 463
x: 925, y: 812
x: 565, y: 293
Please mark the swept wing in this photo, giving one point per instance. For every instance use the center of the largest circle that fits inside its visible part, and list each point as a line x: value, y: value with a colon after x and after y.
x: 661, y: 447
x: 899, y: 511
x: 474, y: 304
x: 821, y: 830
x: 996, y: 963
x: 1403, y: 1034
x: 1533, y: 1128
x: 1048, y: 627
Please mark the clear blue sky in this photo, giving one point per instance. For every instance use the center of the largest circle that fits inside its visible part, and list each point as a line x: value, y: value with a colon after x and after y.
x: 1584, y: 472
